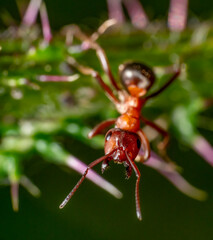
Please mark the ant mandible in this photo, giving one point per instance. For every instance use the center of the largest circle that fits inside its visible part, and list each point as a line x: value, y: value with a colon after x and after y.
x: 123, y: 142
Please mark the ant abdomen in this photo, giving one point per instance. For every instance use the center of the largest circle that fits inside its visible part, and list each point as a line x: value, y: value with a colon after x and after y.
x: 137, y: 78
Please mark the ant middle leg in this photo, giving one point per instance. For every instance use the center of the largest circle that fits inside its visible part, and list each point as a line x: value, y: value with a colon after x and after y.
x: 101, y: 126
x: 163, y: 144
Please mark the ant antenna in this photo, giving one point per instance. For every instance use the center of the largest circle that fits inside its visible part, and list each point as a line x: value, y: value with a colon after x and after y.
x: 91, y: 165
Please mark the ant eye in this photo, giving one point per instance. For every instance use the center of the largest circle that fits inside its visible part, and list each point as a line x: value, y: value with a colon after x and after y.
x: 108, y: 136
x: 138, y: 143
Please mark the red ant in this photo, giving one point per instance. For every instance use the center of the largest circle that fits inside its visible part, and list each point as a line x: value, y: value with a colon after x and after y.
x: 123, y: 142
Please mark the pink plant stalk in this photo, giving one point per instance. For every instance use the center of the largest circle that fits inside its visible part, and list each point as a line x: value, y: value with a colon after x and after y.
x: 58, y: 78
x: 14, y: 189
x: 202, y: 147
x: 115, y: 10
x: 178, y: 15
x: 32, y: 12
x: 170, y: 173
x: 45, y: 23
x: 136, y: 12
x: 135, y: 9
x: 29, y: 186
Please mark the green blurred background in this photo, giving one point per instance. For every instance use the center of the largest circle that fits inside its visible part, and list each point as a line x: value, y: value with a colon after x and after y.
x: 92, y: 213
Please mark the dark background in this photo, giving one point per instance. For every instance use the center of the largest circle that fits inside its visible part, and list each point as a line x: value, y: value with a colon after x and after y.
x: 93, y: 214
x: 62, y: 12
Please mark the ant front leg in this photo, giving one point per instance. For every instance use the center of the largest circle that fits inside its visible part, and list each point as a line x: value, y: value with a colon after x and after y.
x: 100, y: 51
x: 105, y: 65
x: 101, y: 126
x: 163, y: 144
x: 145, y: 146
x: 175, y: 75
x: 89, y: 71
x: 137, y: 193
x: 89, y: 42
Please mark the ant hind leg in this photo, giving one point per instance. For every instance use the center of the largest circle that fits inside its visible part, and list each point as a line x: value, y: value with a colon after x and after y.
x: 172, y: 78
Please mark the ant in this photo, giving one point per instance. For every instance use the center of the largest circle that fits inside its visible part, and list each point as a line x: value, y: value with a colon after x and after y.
x: 123, y: 142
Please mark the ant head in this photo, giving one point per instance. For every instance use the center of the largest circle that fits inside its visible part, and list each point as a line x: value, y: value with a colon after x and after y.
x: 119, y: 141
x: 137, y: 78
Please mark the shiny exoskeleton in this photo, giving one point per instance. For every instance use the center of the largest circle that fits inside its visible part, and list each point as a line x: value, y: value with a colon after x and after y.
x: 123, y: 142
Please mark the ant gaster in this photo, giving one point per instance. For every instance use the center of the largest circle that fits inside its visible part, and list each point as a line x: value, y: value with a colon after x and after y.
x: 123, y: 142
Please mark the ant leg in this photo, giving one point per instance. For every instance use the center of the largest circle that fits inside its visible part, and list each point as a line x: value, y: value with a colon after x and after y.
x: 145, y: 146
x: 175, y: 75
x: 163, y: 144
x: 73, y: 30
x: 101, y: 53
x: 101, y: 126
x: 105, y: 65
x: 89, y: 42
x: 104, y: 26
x: 137, y: 195
x: 66, y: 200
x: 89, y: 71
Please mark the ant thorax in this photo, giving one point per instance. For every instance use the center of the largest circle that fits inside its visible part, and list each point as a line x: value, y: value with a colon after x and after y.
x: 127, y: 102
x: 129, y: 107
